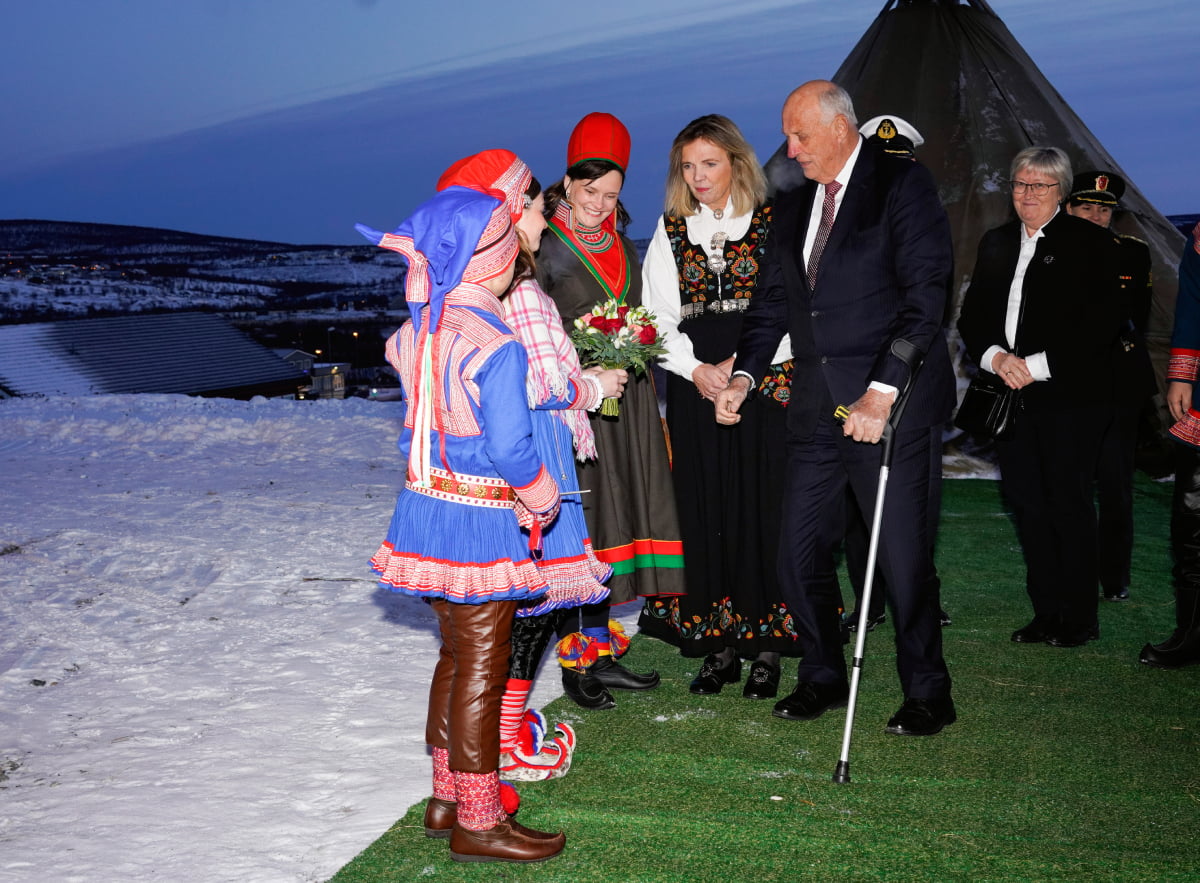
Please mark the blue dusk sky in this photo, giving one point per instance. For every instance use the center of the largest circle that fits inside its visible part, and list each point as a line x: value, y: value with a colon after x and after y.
x: 190, y: 113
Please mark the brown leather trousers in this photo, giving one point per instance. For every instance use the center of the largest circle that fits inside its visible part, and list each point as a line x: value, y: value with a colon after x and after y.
x: 468, y: 682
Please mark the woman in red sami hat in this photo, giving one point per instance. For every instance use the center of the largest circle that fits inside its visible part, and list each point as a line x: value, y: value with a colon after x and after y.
x: 630, y: 506
x: 559, y: 393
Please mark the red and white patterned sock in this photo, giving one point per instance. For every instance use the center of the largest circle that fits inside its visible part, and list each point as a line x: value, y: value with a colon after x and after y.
x: 512, y: 709
x: 443, y: 778
x: 479, y: 807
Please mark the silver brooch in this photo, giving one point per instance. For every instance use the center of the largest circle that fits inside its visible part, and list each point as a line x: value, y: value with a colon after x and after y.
x: 716, y: 260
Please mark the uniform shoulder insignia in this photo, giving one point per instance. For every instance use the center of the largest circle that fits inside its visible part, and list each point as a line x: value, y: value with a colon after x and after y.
x: 1128, y: 238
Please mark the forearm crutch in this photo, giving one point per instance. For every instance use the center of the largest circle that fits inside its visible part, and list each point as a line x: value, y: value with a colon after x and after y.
x: 912, y: 357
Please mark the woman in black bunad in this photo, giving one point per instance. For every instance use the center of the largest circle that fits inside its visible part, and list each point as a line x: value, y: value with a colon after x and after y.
x: 699, y: 276
x: 628, y: 501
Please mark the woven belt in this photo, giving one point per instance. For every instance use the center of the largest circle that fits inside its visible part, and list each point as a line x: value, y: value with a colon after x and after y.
x: 471, y: 490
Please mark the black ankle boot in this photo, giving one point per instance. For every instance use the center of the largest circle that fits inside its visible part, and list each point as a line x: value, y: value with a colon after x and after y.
x: 612, y: 674
x: 1183, y: 647
x: 586, y: 691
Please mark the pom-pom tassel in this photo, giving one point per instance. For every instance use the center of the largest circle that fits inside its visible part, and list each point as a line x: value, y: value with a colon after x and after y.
x: 577, y: 651
x: 619, y: 642
x: 510, y: 800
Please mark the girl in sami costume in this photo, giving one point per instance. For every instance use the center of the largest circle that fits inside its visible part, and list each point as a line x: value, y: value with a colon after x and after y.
x: 559, y: 393
x: 473, y: 478
x: 630, y: 507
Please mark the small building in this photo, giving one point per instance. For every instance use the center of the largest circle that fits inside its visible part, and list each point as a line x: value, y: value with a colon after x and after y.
x: 302, y: 360
x: 329, y: 380
x: 189, y: 353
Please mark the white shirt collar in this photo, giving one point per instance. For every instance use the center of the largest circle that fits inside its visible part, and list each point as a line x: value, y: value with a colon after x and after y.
x: 843, y: 177
x: 1039, y: 232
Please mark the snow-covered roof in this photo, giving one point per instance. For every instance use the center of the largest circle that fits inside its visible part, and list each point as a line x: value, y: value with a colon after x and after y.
x: 190, y: 353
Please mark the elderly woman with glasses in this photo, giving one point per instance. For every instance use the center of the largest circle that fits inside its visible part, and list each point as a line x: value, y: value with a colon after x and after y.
x: 1041, y: 313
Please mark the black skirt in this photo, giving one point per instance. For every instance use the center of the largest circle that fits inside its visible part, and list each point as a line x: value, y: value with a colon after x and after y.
x: 729, y: 492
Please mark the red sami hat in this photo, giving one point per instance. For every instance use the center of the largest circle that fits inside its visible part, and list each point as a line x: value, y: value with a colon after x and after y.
x: 599, y: 136
x: 499, y: 173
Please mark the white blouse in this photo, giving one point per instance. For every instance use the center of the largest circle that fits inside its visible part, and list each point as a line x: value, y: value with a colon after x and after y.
x: 660, y: 284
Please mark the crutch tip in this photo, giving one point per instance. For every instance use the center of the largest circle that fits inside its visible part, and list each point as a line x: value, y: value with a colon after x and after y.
x: 841, y: 773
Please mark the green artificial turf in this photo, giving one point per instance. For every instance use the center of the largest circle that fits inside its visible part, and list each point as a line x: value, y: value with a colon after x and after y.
x: 1074, y: 764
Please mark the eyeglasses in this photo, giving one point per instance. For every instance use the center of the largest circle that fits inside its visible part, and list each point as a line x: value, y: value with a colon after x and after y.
x: 1038, y: 188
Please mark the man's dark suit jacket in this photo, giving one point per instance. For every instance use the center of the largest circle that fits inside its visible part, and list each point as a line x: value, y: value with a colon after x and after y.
x: 1071, y: 292
x: 884, y: 275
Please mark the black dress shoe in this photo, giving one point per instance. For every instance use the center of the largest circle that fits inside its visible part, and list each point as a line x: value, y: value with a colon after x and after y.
x: 762, y: 682
x: 612, y: 674
x: 1178, y: 651
x: 1073, y: 638
x: 1034, y: 633
x: 586, y: 691
x: 713, y: 676
x: 810, y: 700
x: 1121, y: 594
x: 922, y: 717
x: 851, y: 621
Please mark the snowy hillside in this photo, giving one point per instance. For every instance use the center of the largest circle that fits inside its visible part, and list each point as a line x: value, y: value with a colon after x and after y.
x: 55, y: 270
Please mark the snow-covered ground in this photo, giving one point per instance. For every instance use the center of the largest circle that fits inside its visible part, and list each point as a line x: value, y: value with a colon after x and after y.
x: 199, y: 679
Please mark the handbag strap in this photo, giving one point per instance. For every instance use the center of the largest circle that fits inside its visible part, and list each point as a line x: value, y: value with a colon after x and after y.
x: 1020, y: 318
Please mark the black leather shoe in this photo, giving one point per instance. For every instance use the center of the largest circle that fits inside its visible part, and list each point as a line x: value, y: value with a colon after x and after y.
x: 762, y: 682
x: 1034, y: 633
x: 1073, y: 639
x: 810, y: 700
x: 586, y: 691
x: 612, y: 674
x: 922, y: 717
x: 1121, y: 594
x: 713, y: 676
x: 1178, y: 651
x: 851, y: 622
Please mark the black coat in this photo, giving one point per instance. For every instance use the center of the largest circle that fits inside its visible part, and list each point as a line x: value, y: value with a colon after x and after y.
x: 1072, y: 294
x: 883, y: 276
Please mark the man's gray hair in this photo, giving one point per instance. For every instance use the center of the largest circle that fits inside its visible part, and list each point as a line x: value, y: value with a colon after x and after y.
x: 836, y: 100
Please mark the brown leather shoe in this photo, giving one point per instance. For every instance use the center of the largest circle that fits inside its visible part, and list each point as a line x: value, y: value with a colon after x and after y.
x: 440, y: 816
x: 506, y: 842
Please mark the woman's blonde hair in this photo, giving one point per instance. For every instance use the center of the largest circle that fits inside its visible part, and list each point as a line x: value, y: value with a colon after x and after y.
x: 748, y: 184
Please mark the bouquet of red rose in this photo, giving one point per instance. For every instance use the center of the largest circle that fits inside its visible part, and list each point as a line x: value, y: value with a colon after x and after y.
x: 615, y: 335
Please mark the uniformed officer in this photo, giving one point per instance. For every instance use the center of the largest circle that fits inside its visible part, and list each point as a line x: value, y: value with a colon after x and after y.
x: 1095, y: 196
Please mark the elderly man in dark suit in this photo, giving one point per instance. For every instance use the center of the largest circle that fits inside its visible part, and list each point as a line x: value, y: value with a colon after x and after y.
x: 857, y: 273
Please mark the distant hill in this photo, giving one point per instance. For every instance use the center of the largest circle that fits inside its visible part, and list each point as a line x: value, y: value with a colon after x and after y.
x: 63, y: 269
x: 72, y: 237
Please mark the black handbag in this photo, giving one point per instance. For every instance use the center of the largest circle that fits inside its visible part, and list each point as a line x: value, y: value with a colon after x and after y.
x: 989, y: 406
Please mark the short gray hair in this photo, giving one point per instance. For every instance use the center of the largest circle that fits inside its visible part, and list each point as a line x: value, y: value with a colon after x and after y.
x: 836, y: 100
x: 1047, y: 161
